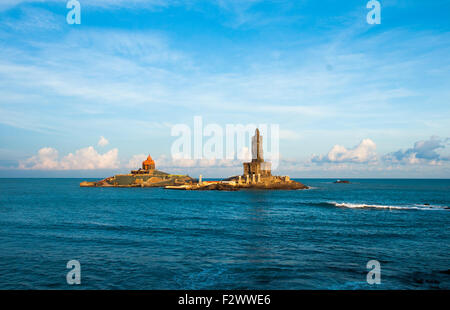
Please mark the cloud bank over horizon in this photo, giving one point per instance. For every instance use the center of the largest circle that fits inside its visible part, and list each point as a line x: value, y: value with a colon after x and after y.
x: 364, y: 152
x: 363, y: 156
x: 88, y: 158
x: 425, y: 151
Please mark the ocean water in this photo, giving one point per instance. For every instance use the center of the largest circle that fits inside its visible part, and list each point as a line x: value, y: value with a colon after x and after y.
x: 151, y: 238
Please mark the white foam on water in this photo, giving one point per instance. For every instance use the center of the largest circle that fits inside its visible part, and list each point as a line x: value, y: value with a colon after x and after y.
x: 404, y: 207
x: 309, y: 188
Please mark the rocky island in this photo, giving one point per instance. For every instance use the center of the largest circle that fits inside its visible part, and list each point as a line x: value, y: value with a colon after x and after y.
x: 147, y: 176
x: 257, y: 174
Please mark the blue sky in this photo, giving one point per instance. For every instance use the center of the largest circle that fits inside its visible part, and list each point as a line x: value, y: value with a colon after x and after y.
x: 351, y: 99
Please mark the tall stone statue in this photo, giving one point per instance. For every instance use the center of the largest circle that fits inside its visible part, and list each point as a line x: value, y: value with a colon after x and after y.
x: 257, y: 166
x: 257, y: 147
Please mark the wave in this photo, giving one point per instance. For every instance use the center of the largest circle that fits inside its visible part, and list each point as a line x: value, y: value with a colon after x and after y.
x: 393, y: 207
x: 309, y: 188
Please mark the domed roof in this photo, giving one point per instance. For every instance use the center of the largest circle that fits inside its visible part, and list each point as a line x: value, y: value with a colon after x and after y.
x: 148, y: 161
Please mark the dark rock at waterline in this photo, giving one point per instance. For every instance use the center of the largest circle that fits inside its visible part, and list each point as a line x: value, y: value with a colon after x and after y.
x: 290, y: 185
x: 215, y: 187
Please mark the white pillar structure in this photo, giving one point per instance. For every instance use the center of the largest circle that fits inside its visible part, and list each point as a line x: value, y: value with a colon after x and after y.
x: 200, y: 180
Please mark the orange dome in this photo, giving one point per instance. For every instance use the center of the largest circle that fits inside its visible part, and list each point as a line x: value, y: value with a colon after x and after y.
x: 149, y: 163
x: 149, y: 160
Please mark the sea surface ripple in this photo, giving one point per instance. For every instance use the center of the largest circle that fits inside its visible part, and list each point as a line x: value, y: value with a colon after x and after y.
x: 151, y: 238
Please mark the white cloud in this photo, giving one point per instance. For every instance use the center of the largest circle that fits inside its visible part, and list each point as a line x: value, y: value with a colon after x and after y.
x: 136, y: 161
x: 423, y: 152
x: 87, y: 158
x: 103, y: 141
x: 364, y: 152
x: 46, y: 159
x: 129, y: 72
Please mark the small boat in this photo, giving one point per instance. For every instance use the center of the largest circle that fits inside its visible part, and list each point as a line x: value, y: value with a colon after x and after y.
x: 342, y: 181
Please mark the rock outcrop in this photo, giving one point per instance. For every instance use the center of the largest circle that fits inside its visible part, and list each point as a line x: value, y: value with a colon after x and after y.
x: 147, y: 176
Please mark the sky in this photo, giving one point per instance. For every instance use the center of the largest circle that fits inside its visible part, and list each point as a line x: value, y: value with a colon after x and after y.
x: 351, y: 99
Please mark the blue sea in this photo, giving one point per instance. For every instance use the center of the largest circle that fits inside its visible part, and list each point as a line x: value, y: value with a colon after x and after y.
x: 151, y: 238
